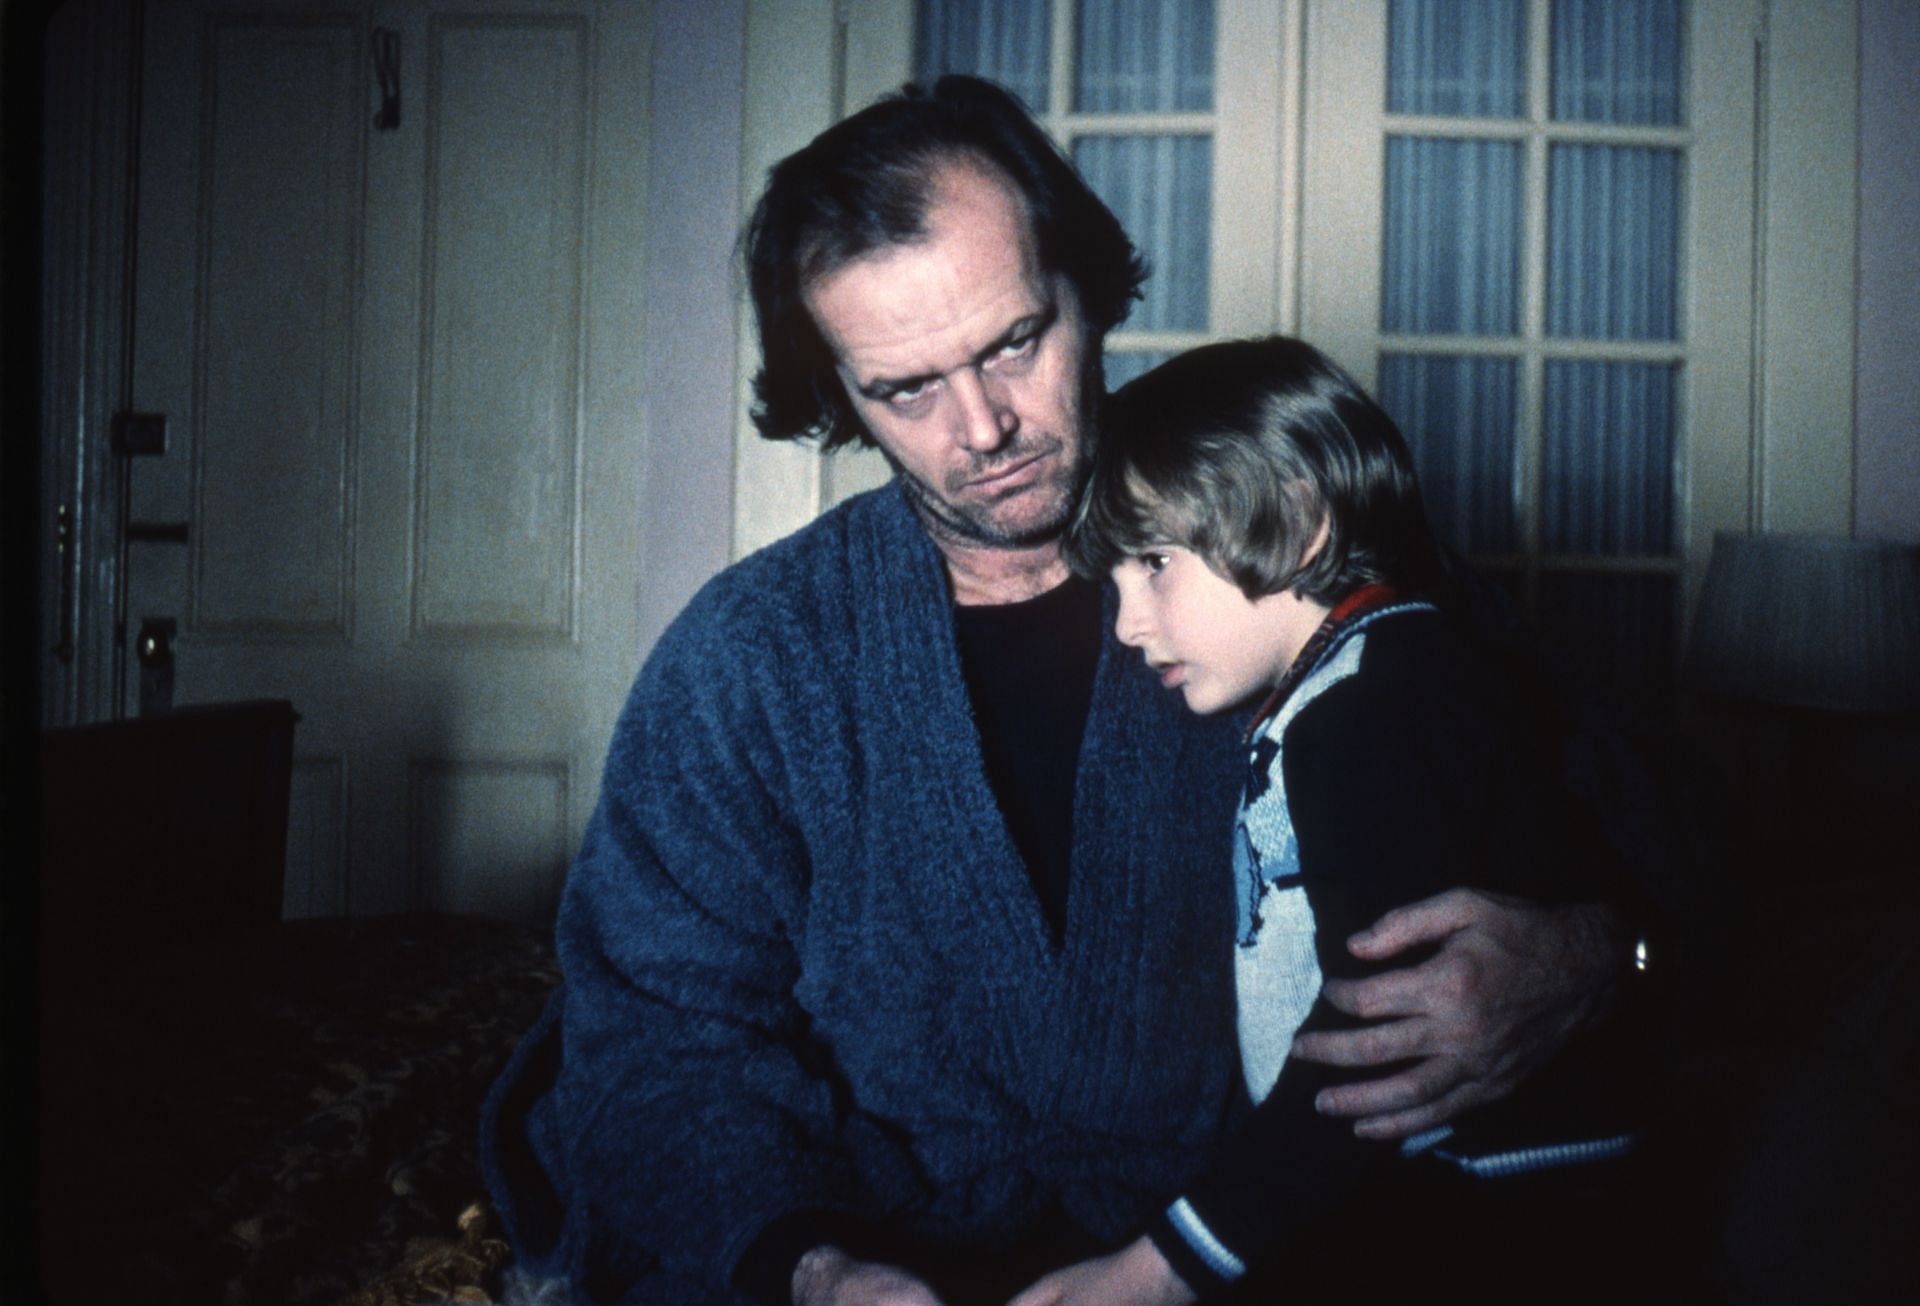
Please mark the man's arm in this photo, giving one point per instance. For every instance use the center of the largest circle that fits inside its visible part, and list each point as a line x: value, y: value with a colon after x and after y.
x: 693, y: 1107
x: 1511, y: 983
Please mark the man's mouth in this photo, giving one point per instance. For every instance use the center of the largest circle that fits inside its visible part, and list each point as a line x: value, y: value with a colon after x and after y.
x: 1011, y: 476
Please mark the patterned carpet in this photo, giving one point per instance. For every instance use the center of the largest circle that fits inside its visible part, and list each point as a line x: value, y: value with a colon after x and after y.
x: 287, y: 1121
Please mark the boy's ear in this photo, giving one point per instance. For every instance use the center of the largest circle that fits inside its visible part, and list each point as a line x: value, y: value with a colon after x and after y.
x: 1318, y: 542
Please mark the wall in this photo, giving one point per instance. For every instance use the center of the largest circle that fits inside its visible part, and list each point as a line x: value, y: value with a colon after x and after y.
x: 690, y: 346
x: 1886, y: 495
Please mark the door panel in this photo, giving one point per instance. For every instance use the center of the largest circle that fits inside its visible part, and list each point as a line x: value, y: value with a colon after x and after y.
x: 499, y: 437
x: 275, y: 247
x: 400, y: 365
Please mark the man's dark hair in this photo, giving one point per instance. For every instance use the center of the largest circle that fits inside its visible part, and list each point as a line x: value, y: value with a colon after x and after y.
x: 1239, y: 451
x: 866, y: 183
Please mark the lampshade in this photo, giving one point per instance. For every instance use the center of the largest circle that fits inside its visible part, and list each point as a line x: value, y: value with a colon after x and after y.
x: 1809, y: 621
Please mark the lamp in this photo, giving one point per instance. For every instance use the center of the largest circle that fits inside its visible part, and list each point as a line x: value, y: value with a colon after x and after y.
x: 1811, y: 621
x: 1806, y: 650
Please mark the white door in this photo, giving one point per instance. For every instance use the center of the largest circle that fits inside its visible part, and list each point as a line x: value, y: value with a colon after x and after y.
x: 388, y: 299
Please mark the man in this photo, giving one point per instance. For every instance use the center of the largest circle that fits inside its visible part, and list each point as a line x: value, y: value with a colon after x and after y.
x: 894, y: 952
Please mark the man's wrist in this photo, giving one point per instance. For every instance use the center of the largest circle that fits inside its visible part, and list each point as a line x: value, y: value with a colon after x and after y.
x: 1602, y: 939
x: 1628, y: 961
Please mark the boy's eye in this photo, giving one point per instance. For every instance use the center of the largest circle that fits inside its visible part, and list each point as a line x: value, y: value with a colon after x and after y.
x: 1155, y: 563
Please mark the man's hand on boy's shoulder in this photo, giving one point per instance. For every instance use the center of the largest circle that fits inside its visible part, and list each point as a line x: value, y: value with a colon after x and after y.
x: 1511, y: 982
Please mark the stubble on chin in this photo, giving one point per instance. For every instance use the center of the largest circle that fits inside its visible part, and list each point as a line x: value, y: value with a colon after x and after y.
x: 1036, y: 515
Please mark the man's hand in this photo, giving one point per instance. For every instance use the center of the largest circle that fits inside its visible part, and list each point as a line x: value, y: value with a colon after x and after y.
x: 1137, y: 1275
x: 827, y: 1276
x: 1510, y: 984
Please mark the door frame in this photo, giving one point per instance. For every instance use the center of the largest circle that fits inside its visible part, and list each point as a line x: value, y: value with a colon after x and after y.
x: 89, y: 200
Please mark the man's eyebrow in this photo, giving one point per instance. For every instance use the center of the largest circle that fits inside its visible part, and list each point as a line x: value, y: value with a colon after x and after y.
x: 1033, y: 324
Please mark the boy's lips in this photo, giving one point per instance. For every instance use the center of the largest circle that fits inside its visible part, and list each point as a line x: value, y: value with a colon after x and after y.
x: 1172, y: 674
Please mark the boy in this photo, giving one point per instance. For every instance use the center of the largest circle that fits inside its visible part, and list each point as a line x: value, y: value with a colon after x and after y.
x: 1260, y: 518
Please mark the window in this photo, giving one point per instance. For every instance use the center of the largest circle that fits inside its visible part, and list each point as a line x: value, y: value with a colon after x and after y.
x: 1545, y: 232
x: 1184, y: 146
x: 1527, y: 326
x: 1128, y: 89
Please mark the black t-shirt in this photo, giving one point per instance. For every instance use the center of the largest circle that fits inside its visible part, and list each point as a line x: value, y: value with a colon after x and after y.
x: 1029, y: 668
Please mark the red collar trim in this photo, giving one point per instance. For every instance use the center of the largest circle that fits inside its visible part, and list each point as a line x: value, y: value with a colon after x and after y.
x: 1368, y: 598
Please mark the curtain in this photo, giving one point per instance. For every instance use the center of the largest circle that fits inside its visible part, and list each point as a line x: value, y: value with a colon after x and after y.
x: 1160, y: 187
x: 1464, y: 411
x: 1613, y: 218
x: 1129, y: 56
x: 1618, y: 61
x: 1459, y: 60
x: 1607, y: 478
x: 1452, y: 234
x: 1453, y: 263
x: 1007, y: 41
x: 1144, y: 56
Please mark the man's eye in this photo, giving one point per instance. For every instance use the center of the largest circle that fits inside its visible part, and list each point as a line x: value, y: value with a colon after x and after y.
x: 908, y: 396
x: 1016, y: 349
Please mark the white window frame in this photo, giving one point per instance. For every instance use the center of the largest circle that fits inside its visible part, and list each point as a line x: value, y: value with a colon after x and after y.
x: 1767, y: 401
x: 1765, y: 406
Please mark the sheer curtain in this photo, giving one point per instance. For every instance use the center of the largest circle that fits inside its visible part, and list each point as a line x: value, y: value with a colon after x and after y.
x: 1141, y: 56
x: 1556, y: 466
x: 1459, y: 416
x: 1147, y: 59
x: 1009, y: 41
x: 1531, y: 305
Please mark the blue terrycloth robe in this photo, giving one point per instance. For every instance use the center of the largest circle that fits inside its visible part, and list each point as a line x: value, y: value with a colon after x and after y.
x: 807, y: 970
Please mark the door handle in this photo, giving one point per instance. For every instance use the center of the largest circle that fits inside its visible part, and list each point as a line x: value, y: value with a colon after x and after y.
x: 154, y: 648
x: 140, y: 435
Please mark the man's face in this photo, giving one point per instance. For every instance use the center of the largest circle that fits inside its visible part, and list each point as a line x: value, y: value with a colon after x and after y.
x: 968, y: 365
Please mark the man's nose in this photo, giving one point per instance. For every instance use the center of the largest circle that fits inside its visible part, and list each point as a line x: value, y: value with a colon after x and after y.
x: 985, y: 412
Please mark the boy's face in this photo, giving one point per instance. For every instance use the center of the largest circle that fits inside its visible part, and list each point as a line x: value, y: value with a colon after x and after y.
x: 1202, y: 634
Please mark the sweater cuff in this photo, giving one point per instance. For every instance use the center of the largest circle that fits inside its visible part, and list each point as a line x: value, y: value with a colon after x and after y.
x: 765, y: 1271
x: 1193, y: 1250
